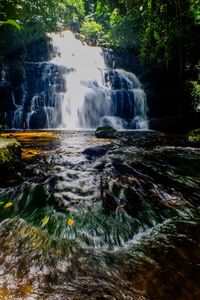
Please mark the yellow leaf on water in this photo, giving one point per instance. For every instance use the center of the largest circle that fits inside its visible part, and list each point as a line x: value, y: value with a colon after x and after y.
x: 154, y: 246
x: 45, y: 220
x: 8, y: 204
x: 70, y: 222
x: 27, y: 289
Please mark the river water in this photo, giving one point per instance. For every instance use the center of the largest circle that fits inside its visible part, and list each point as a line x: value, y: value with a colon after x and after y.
x: 134, y: 202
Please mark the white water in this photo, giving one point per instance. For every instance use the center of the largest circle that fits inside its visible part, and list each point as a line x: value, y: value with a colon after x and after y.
x: 75, y: 89
x: 88, y: 101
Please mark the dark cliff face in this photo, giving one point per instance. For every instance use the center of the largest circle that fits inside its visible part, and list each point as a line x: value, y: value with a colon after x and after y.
x: 16, y: 72
x: 166, y: 98
x: 7, y: 85
x: 28, y: 94
x: 122, y: 60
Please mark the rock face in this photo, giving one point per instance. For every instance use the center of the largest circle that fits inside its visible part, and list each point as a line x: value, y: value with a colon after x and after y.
x: 178, y: 123
x: 29, y: 95
x: 10, y: 154
x: 106, y: 132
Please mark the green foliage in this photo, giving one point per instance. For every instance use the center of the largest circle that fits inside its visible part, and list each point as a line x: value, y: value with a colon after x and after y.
x: 168, y: 33
x: 164, y: 33
x: 194, y: 136
x: 35, y: 18
x: 195, y: 7
x: 93, y: 31
x: 51, y: 14
x: 125, y: 29
x: 193, y: 87
x: 11, y: 22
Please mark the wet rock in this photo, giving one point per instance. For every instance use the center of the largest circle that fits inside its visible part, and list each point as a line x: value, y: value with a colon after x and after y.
x: 123, y: 194
x: 94, y: 152
x: 106, y: 132
x: 39, y: 119
x: 110, y: 201
x: 144, y: 185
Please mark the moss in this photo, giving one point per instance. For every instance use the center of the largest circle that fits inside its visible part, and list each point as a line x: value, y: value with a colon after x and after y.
x: 10, y: 154
x: 106, y: 132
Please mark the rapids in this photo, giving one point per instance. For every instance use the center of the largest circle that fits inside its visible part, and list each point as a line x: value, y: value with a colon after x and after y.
x: 135, y: 211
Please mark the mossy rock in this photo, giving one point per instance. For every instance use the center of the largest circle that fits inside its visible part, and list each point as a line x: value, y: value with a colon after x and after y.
x: 10, y: 154
x: 194, y: 136
x: 106, y: 132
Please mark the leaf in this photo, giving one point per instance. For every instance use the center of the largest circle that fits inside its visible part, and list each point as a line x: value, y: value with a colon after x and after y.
x: 1, y: 202
x: 44, y: 221
x: 11, y: 22
x: 8, y: 204
x: 98, y: 9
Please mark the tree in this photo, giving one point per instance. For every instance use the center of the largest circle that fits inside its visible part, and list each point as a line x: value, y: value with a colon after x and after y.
x: 93, y: 31
x: 37, y: 17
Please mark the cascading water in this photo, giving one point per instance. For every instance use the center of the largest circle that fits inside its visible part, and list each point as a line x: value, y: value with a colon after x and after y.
x: 95, y: 95
x: 75, y: 89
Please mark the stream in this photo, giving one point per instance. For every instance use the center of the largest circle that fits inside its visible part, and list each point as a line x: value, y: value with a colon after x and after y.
x: 134, y: 205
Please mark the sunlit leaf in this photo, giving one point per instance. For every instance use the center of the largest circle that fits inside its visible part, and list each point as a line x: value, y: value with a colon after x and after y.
x: 11, y: 22
x: 1, y: 202
x: 44, y: 221
x: 8, y: 204
x: 25, y: 289
x: 98, y: 9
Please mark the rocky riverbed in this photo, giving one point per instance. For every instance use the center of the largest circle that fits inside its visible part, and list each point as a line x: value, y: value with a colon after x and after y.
x: 134, y: 205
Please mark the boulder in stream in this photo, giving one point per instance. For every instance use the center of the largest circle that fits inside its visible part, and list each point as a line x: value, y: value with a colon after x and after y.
x: 106, y: 132
x: 94, y: 152
x: 10, y: 154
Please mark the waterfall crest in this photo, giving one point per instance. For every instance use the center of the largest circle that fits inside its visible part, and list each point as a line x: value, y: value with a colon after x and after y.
x: 75, y: 89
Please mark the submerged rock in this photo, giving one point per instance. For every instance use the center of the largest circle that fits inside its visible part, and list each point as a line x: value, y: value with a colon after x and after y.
x: 10, y: 154
x: 106, y: 132
x: 94, y: 152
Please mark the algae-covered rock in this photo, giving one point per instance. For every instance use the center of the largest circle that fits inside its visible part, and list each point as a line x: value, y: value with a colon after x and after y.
x: 10, y: 154
x: 106, y: 132
x: 194, y: 136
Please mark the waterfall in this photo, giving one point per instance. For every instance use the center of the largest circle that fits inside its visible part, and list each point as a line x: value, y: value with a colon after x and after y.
x: 76, y: 89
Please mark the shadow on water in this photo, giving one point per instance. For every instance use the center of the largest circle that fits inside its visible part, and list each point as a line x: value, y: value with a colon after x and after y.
x: 135, y: 214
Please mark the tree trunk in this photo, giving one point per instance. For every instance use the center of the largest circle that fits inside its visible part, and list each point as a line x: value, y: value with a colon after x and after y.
x: 180, y: 51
